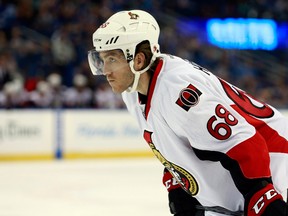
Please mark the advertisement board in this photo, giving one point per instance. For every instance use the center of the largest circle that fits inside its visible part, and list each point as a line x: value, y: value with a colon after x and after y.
x: 27, y: 134
x: 70, y: 134
x: 101, y: 133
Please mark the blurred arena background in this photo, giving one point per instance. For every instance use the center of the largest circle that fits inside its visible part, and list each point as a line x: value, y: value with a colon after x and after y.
x: 52, y: 108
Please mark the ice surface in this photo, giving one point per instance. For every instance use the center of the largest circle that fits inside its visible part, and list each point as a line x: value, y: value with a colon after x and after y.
x: 106, y: 187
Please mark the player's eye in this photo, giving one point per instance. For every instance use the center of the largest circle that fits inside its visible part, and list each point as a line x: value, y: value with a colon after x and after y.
x: 111, y: 60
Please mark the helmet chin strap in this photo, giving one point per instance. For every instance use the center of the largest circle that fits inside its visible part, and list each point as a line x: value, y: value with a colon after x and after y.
x: 135, y: 82
x: 137, y: 74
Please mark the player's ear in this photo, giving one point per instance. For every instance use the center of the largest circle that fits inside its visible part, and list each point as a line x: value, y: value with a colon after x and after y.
x: 139, y: 61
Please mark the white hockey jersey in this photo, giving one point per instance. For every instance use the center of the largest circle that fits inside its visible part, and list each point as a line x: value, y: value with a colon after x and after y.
x: 213, y: 137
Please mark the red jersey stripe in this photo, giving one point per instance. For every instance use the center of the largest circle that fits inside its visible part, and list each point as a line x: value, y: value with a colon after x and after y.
x: 274, y: 141
x: 152, y: 87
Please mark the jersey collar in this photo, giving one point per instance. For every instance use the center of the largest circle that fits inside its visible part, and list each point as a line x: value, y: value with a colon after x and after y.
x: 152, y: 87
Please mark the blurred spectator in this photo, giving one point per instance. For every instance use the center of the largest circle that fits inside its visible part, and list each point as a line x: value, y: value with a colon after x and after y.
x: 104, y: 98
x: 63, y: 52
x: 39, y: 38
x: 79, y: 95
x: 14, y: 95
x: 57, y: 90
x: 7, y: 13
x: 42, y: 96
x: 8, y: 69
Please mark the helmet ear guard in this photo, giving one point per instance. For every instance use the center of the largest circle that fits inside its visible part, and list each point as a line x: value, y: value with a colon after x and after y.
x: 125, y: 30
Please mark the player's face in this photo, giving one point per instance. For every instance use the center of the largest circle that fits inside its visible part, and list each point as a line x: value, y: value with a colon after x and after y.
x: 117, y: 70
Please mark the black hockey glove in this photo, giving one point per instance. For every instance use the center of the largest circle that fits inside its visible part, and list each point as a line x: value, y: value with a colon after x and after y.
x: 180, y: 202
x: 265, y: 202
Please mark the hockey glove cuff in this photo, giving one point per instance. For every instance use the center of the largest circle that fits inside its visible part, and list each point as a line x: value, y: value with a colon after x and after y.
x: 169, y: 181
x: 180, y: 202
x: 265, y: 202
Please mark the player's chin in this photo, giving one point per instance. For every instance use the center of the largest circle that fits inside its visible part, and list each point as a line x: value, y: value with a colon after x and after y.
x: 117, y: 89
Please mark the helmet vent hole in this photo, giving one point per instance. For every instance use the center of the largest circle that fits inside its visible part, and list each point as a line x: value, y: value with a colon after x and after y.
x: 112, y: 40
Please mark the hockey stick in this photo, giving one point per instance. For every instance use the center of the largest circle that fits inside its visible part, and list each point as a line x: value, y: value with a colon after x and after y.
x: 219, y: 209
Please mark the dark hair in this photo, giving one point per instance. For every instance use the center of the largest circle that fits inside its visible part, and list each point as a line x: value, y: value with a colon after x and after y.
x: 144, y: 47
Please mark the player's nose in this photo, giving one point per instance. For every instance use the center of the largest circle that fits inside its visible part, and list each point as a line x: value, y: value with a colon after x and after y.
x: 106, y: 70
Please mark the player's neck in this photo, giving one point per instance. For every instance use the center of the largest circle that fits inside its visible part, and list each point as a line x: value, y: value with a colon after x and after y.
x: 143, y: 84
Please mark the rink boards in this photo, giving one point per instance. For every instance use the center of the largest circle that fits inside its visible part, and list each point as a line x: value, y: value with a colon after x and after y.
x: 70, y: 134
x: 49, y: 134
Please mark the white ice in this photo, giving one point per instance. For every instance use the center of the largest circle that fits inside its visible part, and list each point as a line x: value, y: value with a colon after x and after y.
x: 106, y: 187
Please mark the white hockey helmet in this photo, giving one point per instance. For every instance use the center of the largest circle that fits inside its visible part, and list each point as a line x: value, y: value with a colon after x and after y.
x: 125, y: 30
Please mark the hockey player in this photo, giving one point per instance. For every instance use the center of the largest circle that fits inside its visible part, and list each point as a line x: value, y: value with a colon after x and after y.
x: 224, y: 151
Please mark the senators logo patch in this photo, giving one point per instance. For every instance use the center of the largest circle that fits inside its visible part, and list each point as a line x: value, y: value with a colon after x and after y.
x: 188, y: 97
x: 133, y: 15
x: 183, y: 177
